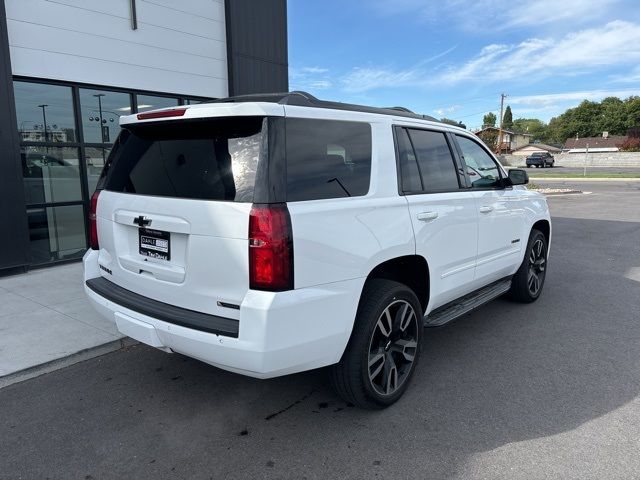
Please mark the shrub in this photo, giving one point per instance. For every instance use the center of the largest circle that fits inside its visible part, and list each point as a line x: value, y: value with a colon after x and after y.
x: 631, y: 144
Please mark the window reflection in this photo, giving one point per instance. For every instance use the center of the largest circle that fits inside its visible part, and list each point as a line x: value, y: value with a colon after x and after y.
x: 56, y: 233
x: 148, y: 102
x: 101, y: 111
x: 95, y: 158
x: 44, y: 112
x: 50, y: 174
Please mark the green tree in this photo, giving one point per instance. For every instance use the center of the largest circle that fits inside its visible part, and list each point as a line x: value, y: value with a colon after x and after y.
x: 632, y: 107
x: 533, y: 126
x: 613, y: 117
x: 490, y: 138
x: 507, y: 119
x: 582, y: 121
x: 489, y: 120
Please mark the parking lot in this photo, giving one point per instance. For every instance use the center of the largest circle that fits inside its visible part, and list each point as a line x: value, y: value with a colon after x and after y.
x: 548, y: 390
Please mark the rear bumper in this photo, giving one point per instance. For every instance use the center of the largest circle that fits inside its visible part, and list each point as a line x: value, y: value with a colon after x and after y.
x: 278, y: 333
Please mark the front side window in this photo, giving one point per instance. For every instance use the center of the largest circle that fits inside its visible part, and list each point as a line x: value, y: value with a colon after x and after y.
x: 482, y: 169
x: 327, y: 159
x: 435, y: 160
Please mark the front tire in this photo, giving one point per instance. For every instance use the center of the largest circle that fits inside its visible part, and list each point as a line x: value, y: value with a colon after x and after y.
x: 384, y: 347
x: 528, y: 281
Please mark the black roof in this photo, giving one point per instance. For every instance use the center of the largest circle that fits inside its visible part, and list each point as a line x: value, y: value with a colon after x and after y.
x: 304, y: 99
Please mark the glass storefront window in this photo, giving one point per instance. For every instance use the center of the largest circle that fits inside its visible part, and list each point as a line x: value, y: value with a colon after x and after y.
x: 148, y: 102
x: 56, y: 233
x: 44, y: 112
x: 50, y: 174
x: 56, y: 196
x: 101, y: 111
x: 95, y: 158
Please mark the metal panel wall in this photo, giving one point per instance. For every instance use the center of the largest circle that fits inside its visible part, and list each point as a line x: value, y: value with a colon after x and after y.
x: 257, y: 54
x: 177, y: 47
x: 14, y: 240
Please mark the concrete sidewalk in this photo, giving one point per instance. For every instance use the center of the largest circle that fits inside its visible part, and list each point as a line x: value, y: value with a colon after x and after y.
x: 46, y: 322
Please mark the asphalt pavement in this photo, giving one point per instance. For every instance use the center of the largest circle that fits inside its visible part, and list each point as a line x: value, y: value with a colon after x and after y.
x: 547, y: 390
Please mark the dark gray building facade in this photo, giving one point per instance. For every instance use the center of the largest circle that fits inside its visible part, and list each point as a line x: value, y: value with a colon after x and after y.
x: 59, y: 106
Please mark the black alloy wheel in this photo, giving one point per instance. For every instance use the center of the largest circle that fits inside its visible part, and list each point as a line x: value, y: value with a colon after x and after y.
x: 383, y: 351
x: 392, y: 348
x: 536, y: 271
x: 527, y: 283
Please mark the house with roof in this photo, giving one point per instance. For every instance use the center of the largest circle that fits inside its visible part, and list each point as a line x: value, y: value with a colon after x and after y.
x: 510, y: 140
x: 602, y: 144
x: 527, y: 150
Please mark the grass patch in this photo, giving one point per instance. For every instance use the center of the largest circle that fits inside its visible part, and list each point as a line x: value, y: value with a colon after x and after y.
x: 588, y: 175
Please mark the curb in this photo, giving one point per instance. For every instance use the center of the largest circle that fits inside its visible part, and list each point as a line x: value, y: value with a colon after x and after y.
x: 59, y: 363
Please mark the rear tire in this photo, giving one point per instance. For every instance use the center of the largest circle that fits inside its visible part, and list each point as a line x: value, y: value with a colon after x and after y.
x: 384, y: 347
x: 528, y: 281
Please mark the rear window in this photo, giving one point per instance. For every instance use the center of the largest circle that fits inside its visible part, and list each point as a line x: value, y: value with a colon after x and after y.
x: 214, y: 159
x: 327, y: 159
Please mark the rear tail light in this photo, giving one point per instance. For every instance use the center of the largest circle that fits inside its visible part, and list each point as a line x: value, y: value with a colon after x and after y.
x: 93, y: 221
x: 270, y: 248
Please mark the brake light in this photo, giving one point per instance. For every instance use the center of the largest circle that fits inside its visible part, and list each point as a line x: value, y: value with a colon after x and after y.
x: 173, y: 112
x: 270, y: 248
x: 93, y: 221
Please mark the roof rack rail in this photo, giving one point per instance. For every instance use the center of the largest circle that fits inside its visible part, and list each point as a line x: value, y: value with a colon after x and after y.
x: 400, y: 109
x: 304, y: 99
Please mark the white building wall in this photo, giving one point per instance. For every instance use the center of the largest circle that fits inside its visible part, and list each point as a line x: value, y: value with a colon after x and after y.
x: 179, y: 47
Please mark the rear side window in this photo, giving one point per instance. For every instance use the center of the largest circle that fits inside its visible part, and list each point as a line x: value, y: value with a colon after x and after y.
x: 435, y: 160
x: 410, y: 175
x: 327, y: 159
x: 215, y: 159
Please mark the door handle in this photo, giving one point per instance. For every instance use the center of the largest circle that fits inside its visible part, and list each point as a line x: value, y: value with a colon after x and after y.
x: 486, y: 209
x: 426, y: 216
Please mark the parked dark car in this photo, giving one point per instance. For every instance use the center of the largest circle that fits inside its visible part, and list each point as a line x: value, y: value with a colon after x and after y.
x: 540, y: 159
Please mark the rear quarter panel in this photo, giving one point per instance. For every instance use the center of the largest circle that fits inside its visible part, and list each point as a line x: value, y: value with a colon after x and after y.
x: 345, y: 238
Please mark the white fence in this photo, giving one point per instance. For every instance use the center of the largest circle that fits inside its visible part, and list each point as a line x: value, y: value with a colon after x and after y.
x: 608, y: 159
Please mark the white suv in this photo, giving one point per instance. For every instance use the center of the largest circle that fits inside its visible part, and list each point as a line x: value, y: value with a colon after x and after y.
x: 273, y: 234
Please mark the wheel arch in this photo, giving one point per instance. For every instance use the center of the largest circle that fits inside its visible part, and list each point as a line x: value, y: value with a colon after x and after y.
x: 544, y: 226
x: 410, y: 270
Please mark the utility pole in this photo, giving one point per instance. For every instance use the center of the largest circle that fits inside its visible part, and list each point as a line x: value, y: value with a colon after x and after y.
x: 102, y: 122
x: 502, y: 97
x: 44, y: 121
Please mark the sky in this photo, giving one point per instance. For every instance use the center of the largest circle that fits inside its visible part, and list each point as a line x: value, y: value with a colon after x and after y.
x: 453, y: 58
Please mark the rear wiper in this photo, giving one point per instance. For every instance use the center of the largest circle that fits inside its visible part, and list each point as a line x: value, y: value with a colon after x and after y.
x: 335, y: 179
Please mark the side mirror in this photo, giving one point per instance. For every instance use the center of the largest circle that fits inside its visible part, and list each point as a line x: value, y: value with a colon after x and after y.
x: 517, y: 176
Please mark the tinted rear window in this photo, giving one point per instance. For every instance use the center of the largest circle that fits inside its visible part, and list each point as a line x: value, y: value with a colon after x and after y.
x: 434, y: 160
x: 327, y: 159
x: 209, y: 160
